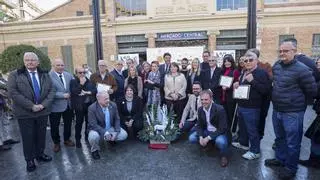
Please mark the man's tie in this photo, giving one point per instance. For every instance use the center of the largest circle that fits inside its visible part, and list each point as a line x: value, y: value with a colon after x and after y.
x: 36, y: 88
x: 107, y: 118
x: 60, y: 75
x: 196, y: 104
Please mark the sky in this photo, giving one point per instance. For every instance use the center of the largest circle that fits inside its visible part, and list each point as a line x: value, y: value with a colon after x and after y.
x: 45, y: 4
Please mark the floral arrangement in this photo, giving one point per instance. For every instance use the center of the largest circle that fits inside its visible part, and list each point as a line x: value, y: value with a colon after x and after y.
x: 159, y: 125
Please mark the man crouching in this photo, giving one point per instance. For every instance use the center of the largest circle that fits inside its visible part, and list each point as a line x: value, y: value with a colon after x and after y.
x: 211, y: 126
x: 104, y: 122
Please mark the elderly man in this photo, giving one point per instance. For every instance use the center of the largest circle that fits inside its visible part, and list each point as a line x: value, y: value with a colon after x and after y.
x: 191, y: 109
x: 120, y: 78
x: 211, y: 126
x: 104, y: 123
x: 249, y: 108
x: 293, y: 83
x: 104, y: 77
x: 32, y: 93
x: 61, y: 105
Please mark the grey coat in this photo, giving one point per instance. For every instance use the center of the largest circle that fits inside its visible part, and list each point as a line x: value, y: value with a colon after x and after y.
x: 20, y: 90
x: 96, y: 118
x: 59, y: 103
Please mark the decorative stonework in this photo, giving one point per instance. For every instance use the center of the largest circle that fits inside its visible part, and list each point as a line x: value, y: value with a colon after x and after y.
x: 181, y: 7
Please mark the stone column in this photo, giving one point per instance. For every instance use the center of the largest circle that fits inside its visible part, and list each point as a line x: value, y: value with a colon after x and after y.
x: 212, y: 39
x: 151, y: 39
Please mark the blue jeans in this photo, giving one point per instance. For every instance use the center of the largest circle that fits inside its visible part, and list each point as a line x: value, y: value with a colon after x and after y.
x: 248, y: 128
x: 288, y: 128
x: 221, y: 141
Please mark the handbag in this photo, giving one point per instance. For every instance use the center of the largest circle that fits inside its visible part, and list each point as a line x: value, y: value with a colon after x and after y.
x: 313, y: 132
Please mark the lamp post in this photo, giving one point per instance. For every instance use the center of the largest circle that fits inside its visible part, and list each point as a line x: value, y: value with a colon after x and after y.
x: 252, y: 24
x: 98, y: 48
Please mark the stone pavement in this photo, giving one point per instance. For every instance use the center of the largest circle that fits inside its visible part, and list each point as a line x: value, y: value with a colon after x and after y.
x: 133, y: 160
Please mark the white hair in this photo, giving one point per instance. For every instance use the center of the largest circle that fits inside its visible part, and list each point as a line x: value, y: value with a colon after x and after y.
x: 31, y: 55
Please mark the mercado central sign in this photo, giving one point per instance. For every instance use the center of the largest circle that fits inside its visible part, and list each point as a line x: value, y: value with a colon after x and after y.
x: 182, y: 36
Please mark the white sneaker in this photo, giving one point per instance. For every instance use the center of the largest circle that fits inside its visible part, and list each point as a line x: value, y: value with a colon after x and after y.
x: 251, y: 156
x: 238, y: 145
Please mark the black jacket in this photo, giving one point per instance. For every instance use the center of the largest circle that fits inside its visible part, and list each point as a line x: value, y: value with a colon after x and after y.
x: 81, y: 102
x: 292, y: 84
x: 212, y: 82
x: 260, y: 86
x: 136, y: 111
x: 218, y: 119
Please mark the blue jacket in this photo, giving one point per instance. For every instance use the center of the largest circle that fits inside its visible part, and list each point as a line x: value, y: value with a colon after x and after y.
x: 292, y: 84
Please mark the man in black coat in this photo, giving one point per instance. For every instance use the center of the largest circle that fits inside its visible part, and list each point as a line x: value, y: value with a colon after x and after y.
x: 211, y: 126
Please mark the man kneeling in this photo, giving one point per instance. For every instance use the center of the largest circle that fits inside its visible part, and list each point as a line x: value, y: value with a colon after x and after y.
x: 212, y: 126
x: 104, y: 123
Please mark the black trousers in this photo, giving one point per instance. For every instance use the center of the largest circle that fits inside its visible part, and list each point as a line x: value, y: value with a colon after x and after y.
x: 81, y: 115
x: 33, y: 133
x: 137, y: 125
x: 178, y: 107
x: 55, y: 123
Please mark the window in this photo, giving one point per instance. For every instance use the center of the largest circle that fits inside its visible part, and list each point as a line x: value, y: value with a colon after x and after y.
x: 283, y: 37
x: 131, y: 7
x: 79, y: 13
x: 223, y: 5
x: 274, y: 1
x: 316, y: 45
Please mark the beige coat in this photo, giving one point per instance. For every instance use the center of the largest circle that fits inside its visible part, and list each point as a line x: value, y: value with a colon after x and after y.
x: 175, y: 84
x: 190, y: 110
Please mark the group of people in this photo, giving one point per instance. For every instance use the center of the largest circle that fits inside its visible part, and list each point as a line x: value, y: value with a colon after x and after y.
x: 205, y: 109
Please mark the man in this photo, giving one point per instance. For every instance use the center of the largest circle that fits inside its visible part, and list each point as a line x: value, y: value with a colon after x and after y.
x: 88, y: 70
x: 249, y: 109
x: 210, y: 79
x: 211, y: 126
x: 61, y: 105
x: 104, y: 77
x: 31, y: 91
x: 165, y: 68
x: 104, y: 123
x: 292, y: 84
x: 205, y: 57
x: 191, y: 109
x: 117, y: 73
x: 184, y: 67
x: 130, y: 63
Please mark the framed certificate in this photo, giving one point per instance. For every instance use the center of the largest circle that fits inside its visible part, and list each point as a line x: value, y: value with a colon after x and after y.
x: 226, y: 81
x: 103, y: 87
x: 242, y: 92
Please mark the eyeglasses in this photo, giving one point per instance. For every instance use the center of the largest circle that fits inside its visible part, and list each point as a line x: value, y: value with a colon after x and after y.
x: 248, y: 60
x: 284, y: 51
x: 81, y: 72
x: 211, y: 60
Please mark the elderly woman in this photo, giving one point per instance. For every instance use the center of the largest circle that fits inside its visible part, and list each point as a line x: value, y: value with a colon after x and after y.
x: 175, y: 85
x: 135, y: 81
x: 152, y: 83
x: 82, y: 95
x: 130, y: 111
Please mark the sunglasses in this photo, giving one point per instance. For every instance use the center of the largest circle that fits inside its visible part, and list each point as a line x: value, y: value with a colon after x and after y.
x: 81, y: 72
x: 248, y: 60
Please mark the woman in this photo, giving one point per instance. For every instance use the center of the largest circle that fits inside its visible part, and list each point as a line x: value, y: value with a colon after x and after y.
x: 130, y: 111
x: 152, y: 83
x: 135, y: 81
x: 193, y: 74
x: 229, y: 104
x: 82, y: 95
x: 144, y: 75
x: 175, y: 85
x: 313, y: 133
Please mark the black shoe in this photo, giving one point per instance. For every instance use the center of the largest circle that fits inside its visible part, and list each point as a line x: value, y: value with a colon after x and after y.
x: 10, y: 141
x: 78, y: 144
x: 95, y: 155
x: 286, y: 174
x: 44, y: 158
x: 310, y: 163
x: 31, y: 166
x: 273, y: 162
x: 5, y: 148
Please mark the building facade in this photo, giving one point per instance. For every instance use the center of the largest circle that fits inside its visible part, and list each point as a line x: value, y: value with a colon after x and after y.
x: 132, y: 26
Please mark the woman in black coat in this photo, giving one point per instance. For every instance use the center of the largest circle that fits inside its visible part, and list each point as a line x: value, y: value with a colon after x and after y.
x: 130, y: 111
x: 83, y: 93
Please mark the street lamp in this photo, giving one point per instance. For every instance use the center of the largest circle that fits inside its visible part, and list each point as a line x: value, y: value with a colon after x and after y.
x: 252, y: 24
x: 97, y: 30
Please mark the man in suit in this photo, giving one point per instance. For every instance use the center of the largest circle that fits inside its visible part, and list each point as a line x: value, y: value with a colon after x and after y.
x: 31, y: 91
x: 104, y: 123
x: 61, y: 105
x: 210, y: 79
x: 205, y: 63
x: 164, y: 69
x: 191, y: 109
x: 211, y: 126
